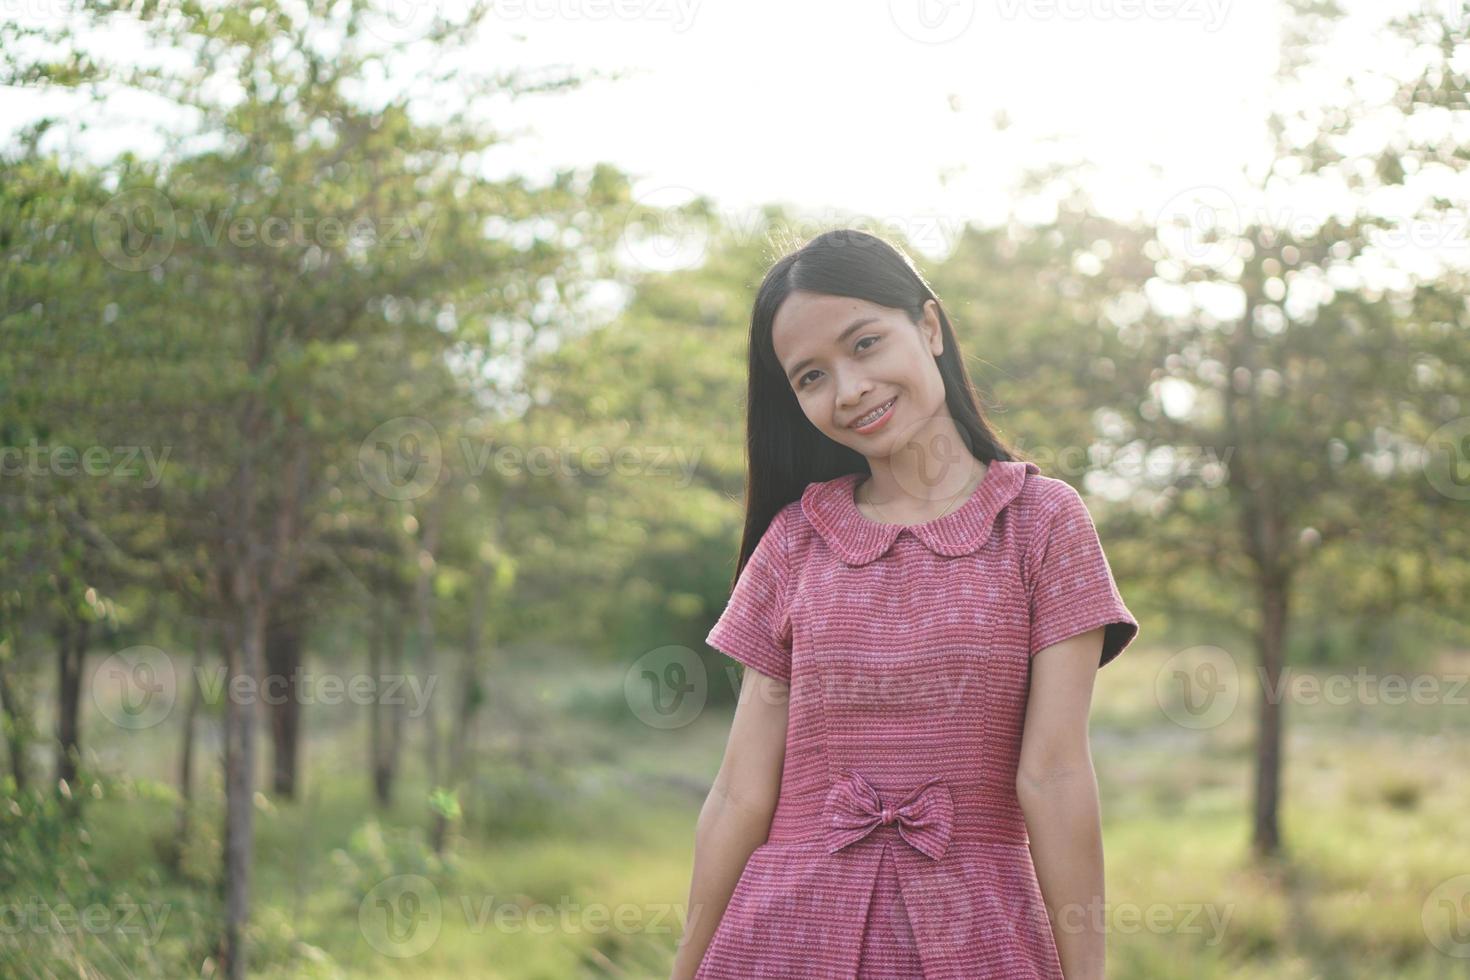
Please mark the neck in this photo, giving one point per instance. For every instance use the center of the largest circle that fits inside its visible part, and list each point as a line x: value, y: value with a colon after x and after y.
x: 912, y: 482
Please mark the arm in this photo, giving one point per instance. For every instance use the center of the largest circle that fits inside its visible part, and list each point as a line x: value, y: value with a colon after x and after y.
x: 736, y: 817
x: 1057, y: 789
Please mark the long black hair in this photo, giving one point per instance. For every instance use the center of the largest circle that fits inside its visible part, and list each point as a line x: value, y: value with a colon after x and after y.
x: 784, y: 451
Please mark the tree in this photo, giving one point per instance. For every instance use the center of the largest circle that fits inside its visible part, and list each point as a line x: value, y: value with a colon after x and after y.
x: 266, y: 322
x: 1293, y: 399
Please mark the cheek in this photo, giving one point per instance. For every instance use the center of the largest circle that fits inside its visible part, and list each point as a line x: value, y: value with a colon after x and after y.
x: 921, y: 375
x: 817, y: 410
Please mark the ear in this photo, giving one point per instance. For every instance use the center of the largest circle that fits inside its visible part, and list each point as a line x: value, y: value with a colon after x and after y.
x: 931, y: 327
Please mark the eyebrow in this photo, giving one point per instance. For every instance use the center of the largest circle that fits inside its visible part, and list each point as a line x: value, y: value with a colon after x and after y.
x: 857, y: 324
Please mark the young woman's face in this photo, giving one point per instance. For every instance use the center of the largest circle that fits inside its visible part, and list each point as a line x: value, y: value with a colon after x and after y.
x: 846, y: 357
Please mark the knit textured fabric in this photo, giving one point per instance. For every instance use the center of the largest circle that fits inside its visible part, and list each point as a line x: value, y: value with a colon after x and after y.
x: 898, y: 848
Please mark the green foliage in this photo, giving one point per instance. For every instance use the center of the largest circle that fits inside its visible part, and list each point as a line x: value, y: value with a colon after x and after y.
x: 67, y: 911
x: 375, y: 852
x: 445, y: 803
x: 143, y: 306
x: 511, y: 801
x: 1372, y: 831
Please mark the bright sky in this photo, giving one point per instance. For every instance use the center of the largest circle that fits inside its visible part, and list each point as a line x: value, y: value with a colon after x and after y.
x: 886, y: 108
x: 879, y: 107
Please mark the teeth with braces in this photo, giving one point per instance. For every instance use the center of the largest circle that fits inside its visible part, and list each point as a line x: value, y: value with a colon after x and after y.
x: 873, y: 415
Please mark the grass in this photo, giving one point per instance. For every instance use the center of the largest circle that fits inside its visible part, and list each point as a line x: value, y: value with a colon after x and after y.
x: 573, y: 860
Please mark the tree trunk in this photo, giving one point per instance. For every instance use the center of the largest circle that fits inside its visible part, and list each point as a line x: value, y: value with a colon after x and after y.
x: 423, y: 601
x: 393, y: 743
x: 241, y: 716
x: 377, y: 751
x: 71, y: 640
x: 1271, y: 646
x: 16, y: 726
x: 283, y: 666
x: 471, y: 696
x: 182, y: 826
x: 385, y: 720
x: 375, y: 711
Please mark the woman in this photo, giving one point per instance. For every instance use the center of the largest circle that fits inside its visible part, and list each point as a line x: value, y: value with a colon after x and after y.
x: 907, y: 790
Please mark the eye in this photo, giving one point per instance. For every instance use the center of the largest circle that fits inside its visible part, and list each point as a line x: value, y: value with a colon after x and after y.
x: 801, y: 382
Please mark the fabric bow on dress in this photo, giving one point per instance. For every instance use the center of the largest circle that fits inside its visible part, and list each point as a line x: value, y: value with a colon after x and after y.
x: 925, y: 817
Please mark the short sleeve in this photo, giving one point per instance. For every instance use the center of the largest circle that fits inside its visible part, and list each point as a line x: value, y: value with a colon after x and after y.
x: 755, y: 628
x: 1071, y: 586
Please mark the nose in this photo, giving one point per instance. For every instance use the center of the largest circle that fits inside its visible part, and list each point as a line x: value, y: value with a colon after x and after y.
x: 851, y: 390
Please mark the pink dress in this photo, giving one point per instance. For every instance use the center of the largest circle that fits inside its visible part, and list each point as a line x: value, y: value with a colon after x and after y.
x: 898, y: 848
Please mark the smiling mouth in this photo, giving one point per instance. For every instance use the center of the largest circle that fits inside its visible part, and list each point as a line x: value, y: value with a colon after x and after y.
x: 874, y: 415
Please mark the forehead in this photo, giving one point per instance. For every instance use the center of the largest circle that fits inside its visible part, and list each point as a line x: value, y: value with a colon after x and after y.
x: 807, y: 322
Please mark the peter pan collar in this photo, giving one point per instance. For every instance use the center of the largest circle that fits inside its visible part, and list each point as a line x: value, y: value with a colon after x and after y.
x: 830, y: 508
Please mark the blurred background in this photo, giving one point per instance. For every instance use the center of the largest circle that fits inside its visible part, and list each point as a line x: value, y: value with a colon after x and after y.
x: 371, y: 453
